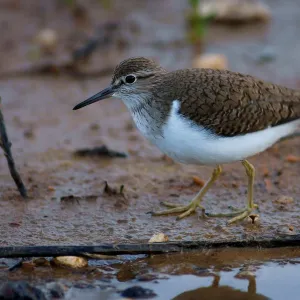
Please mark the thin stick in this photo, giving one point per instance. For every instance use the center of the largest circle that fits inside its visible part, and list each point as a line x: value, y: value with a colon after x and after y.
x: 5, y: 144
x: 156, y: 248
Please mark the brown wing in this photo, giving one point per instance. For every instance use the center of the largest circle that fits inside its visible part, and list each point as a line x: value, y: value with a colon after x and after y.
x: 232, y: 103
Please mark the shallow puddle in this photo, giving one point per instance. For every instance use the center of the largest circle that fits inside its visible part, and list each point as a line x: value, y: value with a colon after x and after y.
x: 209, y: 274
x: 270, y: 281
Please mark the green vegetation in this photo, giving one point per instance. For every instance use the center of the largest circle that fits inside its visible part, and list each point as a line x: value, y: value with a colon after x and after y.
x: 197, y: 24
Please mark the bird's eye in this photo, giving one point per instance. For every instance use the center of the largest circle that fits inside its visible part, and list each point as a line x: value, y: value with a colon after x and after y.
x: 130, y: 79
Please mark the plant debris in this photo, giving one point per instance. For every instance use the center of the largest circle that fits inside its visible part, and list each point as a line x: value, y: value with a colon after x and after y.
x: 77, y: 198
x: 292, y: 158
x: 16, y: 266
x: 102, y: 151
x: 100, y: 256
x: 104, y: 37
x: 113, y: 191
x: 268, y: 184
x: 5, y: 144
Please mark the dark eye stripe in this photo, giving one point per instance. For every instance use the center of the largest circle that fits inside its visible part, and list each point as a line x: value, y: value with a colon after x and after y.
x: 145, y: 76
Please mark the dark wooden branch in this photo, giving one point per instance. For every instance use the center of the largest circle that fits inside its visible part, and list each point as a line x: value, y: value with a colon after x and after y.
x: 156, y: 248
x: 6, y: 146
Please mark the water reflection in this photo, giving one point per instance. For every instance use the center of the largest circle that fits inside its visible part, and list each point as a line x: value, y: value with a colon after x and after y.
x: 217, y: 292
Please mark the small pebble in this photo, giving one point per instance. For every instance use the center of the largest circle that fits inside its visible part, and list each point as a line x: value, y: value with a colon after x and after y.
x: 56, y: 290
x: 47, y: 40
x: 138, y: 292
x: 28, y: 265
x: 211, y: 61
x: 94, y: 126
x: 158, y: 238
x: 41, y: 262
x: 235, y: 10
x: 70, y: 261
x: 28, y: 133
x: 284, y: 200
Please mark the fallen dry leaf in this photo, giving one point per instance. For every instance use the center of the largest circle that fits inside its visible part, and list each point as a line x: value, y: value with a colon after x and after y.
x: 268, y: 184
x: 234, y: 184
x: 292, y: 158
x: 198, y: 181
x: 265, y: 171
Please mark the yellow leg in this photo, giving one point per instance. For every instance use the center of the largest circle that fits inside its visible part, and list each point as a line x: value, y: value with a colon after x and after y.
x: 191, y: 207
x: 243, y: 213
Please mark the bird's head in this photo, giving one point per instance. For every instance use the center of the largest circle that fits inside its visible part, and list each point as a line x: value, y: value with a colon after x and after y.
x: 132, y: 81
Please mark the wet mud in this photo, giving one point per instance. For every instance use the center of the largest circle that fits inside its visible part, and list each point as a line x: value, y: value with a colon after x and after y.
x: 68, y: 200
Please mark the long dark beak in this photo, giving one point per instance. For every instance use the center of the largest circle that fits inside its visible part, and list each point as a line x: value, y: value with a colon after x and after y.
x: 106, y: 93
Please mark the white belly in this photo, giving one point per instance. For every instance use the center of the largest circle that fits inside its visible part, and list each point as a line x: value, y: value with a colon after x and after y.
x: 186, y: 143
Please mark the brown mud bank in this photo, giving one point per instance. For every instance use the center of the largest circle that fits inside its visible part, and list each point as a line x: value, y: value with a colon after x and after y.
x: 69, y: 202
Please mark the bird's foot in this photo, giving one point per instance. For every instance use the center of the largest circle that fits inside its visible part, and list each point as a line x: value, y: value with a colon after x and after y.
x: 238, y: 214
x: 185, y: 210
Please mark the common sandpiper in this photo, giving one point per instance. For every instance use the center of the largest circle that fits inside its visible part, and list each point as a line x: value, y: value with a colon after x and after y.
x: 204, y: 117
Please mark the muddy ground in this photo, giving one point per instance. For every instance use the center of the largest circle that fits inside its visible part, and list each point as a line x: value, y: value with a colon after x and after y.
x: 67, y: 203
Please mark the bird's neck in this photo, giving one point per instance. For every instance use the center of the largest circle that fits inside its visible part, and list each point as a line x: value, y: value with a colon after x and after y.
x: 149, y: 114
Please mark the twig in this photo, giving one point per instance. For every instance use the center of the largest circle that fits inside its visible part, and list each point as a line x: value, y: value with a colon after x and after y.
x: 155, y: 248
x: 16, y: 265
x: 5, y: 144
